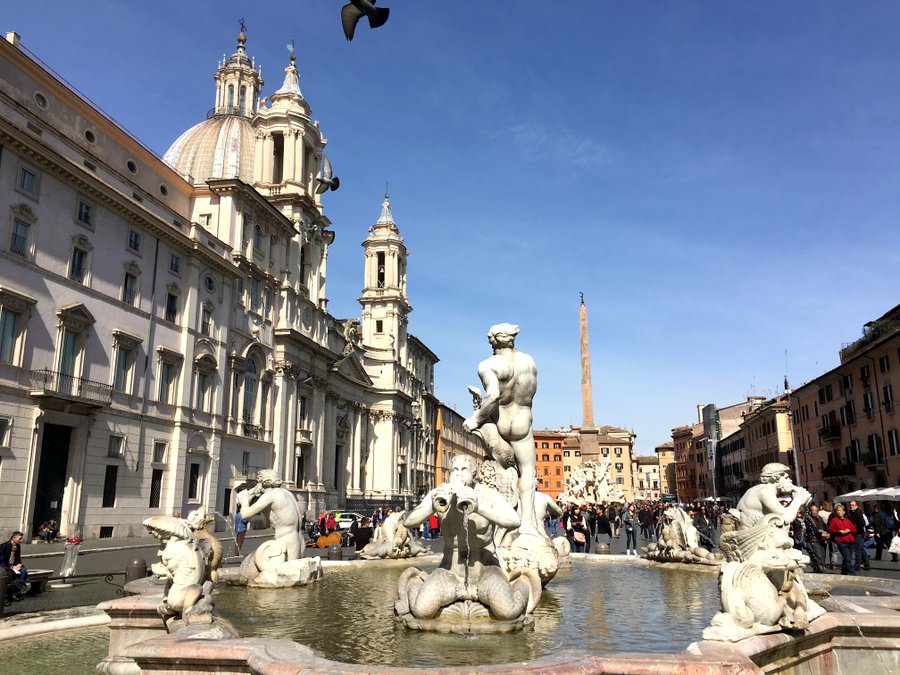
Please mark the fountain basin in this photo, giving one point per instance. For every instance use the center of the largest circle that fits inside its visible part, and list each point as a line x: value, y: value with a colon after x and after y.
x: 639, y: 608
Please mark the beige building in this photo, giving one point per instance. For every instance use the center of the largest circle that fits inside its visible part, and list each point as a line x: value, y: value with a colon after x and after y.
x: 646, y: 476
x: 665, y: 457
x: 452, y: 440
x: 164, y: 324
x: 767, y: 437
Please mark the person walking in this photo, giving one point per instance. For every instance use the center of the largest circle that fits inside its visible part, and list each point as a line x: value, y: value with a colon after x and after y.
x: 817, y: 538
x: 705, y: 528
x: 843, y: 531
x: 630, y: 523
x: 240, y: 532
x: 885, y: 526
x: 579, y: 529
x: 860, y: 522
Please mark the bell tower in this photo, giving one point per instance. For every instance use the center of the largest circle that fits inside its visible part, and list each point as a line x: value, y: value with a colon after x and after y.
x: 238, y: 82
x: 384, y: 302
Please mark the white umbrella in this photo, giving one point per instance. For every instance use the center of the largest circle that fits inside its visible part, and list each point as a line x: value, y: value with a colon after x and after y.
x: 867, y: 495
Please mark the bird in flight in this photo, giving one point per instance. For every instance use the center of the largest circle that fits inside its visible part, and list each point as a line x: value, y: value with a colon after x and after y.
x: 354, y: 10
x: 326, y: 181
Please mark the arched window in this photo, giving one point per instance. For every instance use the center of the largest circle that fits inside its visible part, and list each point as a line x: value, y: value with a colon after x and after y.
x: 230, y: 107
x: 242, y: 100
x: 250, y: 383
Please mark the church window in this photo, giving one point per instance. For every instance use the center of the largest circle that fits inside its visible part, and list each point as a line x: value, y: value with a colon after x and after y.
x: 18, y: 243
x: 381, y: 269
x: 303, y: 265
x: 242, y: 100
x: 249, y: 391
x: 230, y: 108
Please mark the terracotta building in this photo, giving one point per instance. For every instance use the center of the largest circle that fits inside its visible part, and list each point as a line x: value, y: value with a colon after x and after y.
x: 846, y: 421
x: 548, y: 446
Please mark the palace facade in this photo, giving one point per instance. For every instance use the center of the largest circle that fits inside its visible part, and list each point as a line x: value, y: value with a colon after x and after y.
x: 164, y: 323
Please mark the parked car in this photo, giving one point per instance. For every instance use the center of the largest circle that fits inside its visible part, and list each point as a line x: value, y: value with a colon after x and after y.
x: 347, y: 519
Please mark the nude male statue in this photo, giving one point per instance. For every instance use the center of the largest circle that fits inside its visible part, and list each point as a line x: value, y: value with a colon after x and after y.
x: 470, y: 570
x: 763, y: 499
x: 284, y: 516
x: 503, y: 417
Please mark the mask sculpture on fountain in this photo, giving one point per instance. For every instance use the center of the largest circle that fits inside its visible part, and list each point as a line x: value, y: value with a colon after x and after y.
x: 182, y: 565
x: 501, y: 419
x: 469, y: 592
x: 392, y: 540
x: 760, y: 584
x: 679, y: 541
x: 278, y: 563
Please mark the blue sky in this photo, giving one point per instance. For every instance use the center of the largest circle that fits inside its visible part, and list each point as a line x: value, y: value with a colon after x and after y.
x: 721, y: 179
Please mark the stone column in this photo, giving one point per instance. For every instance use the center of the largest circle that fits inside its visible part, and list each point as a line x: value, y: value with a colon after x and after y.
x: 284, y: 412
x: 290, y: 152
x: 268, y: 158
x: 318, y: 433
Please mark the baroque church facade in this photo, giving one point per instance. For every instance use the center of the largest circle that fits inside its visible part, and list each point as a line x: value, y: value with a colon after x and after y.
x: 164, y: 323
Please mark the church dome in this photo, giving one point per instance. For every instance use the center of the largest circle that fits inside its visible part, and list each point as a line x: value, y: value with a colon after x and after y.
x: 220, y: 147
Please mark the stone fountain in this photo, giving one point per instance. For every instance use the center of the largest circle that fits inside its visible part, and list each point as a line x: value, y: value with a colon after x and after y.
x: 490, y: 580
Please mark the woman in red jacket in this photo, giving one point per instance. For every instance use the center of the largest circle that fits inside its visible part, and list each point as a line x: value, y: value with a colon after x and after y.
x: 842, y: 531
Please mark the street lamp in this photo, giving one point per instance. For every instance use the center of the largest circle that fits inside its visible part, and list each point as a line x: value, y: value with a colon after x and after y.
x: 415, y: 426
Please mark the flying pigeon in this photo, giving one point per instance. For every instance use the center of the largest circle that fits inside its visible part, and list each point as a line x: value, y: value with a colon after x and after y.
x: 325, y: 179
x: 354, y: 10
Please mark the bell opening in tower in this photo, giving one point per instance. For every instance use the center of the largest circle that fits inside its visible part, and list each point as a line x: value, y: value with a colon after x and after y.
x: 277, y: 156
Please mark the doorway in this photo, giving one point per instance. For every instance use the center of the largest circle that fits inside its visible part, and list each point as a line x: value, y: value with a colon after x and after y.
x: 51, y: 479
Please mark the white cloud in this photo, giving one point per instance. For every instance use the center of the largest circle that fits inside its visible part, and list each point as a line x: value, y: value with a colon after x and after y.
x: 536, y: 141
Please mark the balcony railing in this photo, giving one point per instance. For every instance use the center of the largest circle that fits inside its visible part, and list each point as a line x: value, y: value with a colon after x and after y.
x: 872, y: 458
x: 51, y: 381
x: 251, y: 430
x: 229, y: 110
x: 830, y: 432
x: 838, y: 470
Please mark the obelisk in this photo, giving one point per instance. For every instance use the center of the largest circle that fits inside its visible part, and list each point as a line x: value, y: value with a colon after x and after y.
x: 587, y: 397
x: 588, y: 435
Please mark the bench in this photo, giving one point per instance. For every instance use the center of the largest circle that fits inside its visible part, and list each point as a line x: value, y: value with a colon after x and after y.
x: 38, y: 580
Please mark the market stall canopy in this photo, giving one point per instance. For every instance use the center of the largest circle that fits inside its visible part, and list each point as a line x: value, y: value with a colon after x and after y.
x: 870, y: 495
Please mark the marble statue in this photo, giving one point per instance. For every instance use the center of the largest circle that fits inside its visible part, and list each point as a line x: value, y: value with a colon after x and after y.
x: 187, y: 594
x: 761, y: 583
x: 502, y: 417
x: 197, y: 520
x: 469, y: 592
x: 514, y: 550
x: 278, y: 563
x: 679, y: 541
x: 392, y: 540
x: 589, y: 483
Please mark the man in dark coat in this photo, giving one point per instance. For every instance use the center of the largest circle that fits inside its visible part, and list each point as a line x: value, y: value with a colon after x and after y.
x: 11, y: 562
x: 859, y: 519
